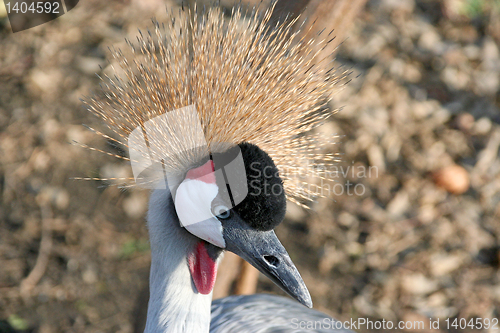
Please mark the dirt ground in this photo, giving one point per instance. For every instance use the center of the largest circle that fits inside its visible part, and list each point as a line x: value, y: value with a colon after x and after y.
x: 415, y: 236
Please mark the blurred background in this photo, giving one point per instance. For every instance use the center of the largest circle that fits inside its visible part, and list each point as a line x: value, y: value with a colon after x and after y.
x: 418, y: 239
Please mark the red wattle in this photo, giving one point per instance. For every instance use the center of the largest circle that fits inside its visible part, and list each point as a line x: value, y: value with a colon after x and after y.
x: 204, y: 173
x: 203, y: 269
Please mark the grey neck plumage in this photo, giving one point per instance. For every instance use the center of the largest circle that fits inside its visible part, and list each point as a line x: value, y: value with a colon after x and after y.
x: 174, y: 304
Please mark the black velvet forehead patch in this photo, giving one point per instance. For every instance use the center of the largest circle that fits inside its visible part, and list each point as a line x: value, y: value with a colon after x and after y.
x: 265, y: 205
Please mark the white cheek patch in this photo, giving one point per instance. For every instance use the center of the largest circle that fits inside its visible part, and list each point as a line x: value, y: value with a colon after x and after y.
x: 193, y: 201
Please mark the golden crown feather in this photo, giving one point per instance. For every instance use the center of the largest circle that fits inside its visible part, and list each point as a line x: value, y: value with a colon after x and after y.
x: 248, y: 79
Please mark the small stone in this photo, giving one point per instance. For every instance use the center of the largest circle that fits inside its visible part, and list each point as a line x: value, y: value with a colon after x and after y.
x: 399, y: 204
x: 465, y: 121
x: 52, y: 130
x: 490, y: 54
x: 453, y: 9
x: 486, y: 82
x: 354, y: 249
x: 115, y: 172
x: 403, y: 5
x: 455, y: 57
x: 472, y: 52
x: 430, y: 40
x: 72, y: 265
x: 41, y: 161
x: 444, y: 264
x: 73, y: 35
x: 437, y: 300
x: 89, y: 276
x: 376, y: 158
x: 89, y: 65
x: 482, y: 126
x: 295, y: 213
x: 423, y: 109
x: 397, y: 67
x: 418, y: 284
x: 427, y: 213
x: 412, y: 73
x: 47, y: 82
x: 455, y: 78
x: 55, y: 195
x: 453, y: 178
x: 62, y: 199
x: 79, y: 134
x: 135, y: 206
x: 330, y: 258
x: 347, y: 220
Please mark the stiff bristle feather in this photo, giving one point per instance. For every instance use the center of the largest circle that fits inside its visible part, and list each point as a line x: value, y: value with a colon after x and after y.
x: 249, y: 82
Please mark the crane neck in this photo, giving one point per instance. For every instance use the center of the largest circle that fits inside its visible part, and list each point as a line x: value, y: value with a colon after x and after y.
x: 174, y: 306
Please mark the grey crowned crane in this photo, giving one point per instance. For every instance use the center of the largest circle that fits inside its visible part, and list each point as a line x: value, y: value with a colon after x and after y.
x: 217, y: 115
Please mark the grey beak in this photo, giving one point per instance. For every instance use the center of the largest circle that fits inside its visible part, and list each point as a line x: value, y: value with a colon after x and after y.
x: 263, y: 250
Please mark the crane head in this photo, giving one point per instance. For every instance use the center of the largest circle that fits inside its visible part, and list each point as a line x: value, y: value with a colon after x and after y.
x: 215, y: 210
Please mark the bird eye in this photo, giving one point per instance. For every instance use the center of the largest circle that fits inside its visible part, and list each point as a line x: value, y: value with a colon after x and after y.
x: 221, y: 211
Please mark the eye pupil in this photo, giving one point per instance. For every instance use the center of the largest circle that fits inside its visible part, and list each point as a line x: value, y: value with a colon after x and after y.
x: 221, y: 211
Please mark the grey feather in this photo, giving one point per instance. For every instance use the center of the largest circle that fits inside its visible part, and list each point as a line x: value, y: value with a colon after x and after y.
x: 264, y: 313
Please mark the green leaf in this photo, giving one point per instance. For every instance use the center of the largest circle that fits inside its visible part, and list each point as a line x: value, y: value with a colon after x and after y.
x: 18, y: 323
